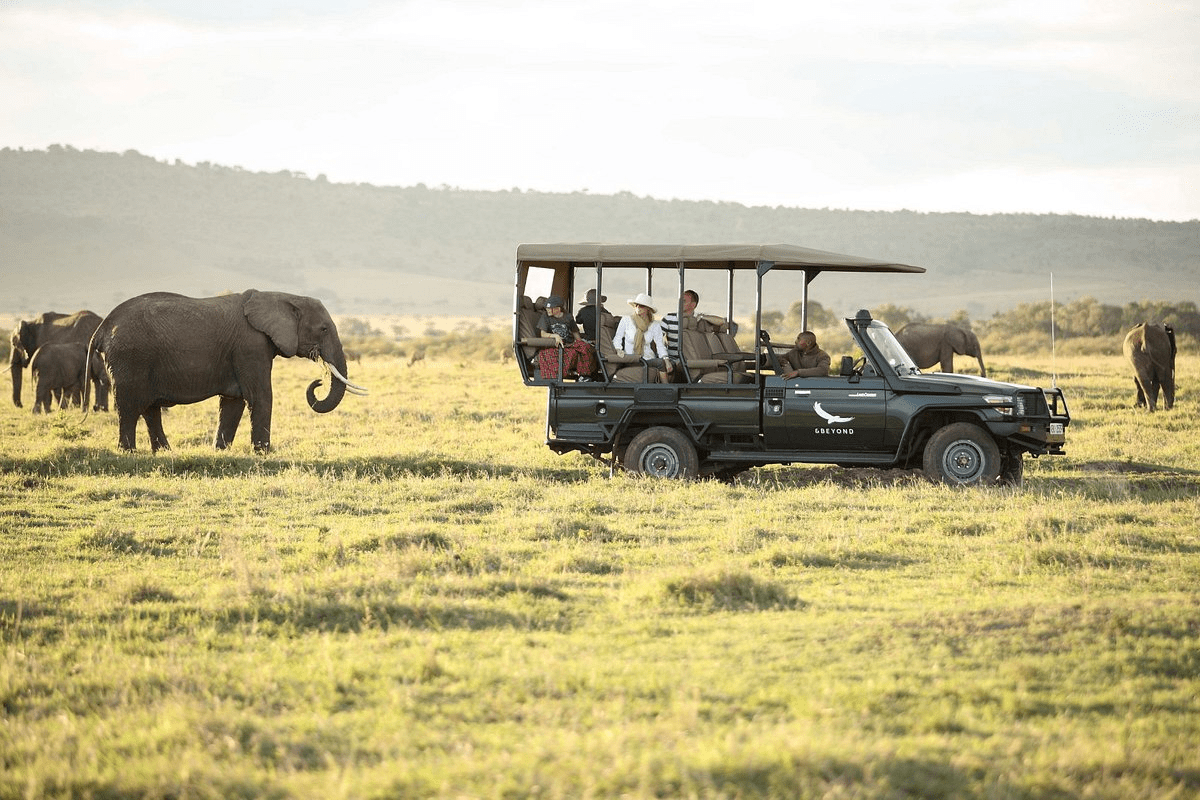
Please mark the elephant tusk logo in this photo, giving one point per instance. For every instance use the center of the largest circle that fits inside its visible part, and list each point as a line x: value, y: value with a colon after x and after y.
x: 832, y: 419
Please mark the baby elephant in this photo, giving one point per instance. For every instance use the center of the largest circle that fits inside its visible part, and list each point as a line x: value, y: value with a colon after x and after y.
x: 59, y: 374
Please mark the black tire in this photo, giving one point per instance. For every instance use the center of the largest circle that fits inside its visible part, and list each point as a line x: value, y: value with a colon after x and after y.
x: 962, y: 454
x: 1012, y: 471
x: 663, y: 453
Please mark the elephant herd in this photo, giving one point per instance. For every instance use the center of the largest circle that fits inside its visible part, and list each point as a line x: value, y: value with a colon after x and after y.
x: 163, y: 349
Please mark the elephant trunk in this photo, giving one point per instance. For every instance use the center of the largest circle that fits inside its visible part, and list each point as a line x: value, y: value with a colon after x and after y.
x: 336, y: 362
x: 18, y: 370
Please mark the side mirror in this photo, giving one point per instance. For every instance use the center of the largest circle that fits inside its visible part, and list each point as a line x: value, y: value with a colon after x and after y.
x: 847, y: 366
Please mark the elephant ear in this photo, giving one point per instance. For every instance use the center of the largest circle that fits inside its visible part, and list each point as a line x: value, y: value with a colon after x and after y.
x: 274, y: 314
x: 957, y: 338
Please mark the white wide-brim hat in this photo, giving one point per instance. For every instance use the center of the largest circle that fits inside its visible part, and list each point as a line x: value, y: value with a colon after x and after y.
x: 644, y: 299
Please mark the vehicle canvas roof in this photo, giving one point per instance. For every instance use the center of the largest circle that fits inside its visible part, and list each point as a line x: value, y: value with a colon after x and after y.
x: 707, y: 256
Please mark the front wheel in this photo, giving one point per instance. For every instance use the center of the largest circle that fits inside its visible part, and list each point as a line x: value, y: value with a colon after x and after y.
x: 662, y: 452
x: 962, y: 454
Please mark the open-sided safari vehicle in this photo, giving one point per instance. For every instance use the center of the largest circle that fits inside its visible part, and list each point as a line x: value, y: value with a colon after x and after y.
x: 728, y: 406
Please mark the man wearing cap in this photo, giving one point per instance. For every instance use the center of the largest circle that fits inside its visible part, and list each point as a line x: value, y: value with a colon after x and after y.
x: 579, y: 357
x: 586, y: 316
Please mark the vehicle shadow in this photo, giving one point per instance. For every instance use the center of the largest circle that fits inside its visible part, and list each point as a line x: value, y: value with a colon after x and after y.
x: 84, y: 461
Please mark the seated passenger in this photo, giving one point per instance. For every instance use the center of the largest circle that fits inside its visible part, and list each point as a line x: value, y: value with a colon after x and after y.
x: 586, y: 316
x: 579, y: 357
x: 805, y: 360
x: 641, y: 335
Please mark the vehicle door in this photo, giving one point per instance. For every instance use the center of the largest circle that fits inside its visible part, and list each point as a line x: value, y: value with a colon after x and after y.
x: 839, y: 413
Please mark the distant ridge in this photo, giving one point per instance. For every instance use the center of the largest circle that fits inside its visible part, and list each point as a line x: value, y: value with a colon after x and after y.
x: 89, y: 229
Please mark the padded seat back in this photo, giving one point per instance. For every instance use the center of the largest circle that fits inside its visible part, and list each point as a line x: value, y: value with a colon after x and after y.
x: 704, y: 340
x: 527, y: 332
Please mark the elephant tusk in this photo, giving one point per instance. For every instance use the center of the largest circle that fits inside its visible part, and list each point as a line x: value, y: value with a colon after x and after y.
x: 350, y: 387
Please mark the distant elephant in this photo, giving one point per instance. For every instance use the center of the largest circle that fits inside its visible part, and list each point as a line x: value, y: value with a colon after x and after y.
x: 164, y: 349
x: 47, y: 328
x: 58, y: 371
x: 930, y: 344
x: 1151, y: 351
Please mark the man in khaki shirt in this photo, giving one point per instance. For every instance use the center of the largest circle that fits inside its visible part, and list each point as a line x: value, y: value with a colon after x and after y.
x: 805, y: 360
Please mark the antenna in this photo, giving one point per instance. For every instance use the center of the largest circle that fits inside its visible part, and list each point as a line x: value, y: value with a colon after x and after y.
x: 1053, y: 361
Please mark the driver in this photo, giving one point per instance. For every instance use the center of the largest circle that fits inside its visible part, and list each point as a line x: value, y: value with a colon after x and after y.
x: 806, y: 359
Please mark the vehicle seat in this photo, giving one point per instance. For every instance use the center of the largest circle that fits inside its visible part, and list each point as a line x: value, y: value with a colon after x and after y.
x: 710, y: 351
x: 527, y: 333
x: 617, y: 367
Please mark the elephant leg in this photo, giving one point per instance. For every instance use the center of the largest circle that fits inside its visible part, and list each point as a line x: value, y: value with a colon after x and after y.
x: 101, y: 403
x: 158, y: 437
x: 127, y: 428
x: 260, y: 424
x: 227, y: 424
x: 1141, y: 395
x: 1150, y: 388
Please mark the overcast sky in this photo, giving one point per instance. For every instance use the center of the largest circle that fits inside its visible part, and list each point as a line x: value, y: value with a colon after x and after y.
x: 938, y: 105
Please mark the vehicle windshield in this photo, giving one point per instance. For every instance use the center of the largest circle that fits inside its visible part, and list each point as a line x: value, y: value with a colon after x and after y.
x: 898, y: 360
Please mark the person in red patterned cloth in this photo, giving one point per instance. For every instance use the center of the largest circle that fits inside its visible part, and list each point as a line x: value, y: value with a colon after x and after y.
x: 579, y: 357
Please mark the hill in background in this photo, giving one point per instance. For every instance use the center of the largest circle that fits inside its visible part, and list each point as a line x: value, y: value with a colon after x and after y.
x: 84, y: 229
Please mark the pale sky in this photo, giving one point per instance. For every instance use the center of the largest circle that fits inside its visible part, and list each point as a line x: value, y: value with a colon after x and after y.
x: 1042, y: 106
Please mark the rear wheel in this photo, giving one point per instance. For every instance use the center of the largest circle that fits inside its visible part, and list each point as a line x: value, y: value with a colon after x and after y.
x: 962, y: 454
x: 662, y: 452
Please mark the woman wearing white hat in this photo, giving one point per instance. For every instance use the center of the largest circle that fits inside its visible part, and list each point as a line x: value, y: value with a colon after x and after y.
x: 640, y: 334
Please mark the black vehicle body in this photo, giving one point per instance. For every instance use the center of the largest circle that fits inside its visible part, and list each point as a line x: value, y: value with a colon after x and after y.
x: 879, y: 410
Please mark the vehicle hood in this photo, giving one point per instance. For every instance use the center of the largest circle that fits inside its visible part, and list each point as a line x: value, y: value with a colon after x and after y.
x: 955, y: 383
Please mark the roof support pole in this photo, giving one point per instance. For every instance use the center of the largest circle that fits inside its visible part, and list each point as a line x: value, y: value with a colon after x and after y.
x: 808, y: 276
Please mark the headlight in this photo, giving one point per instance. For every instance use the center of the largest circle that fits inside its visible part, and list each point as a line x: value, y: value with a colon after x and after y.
x: 1005, y: 403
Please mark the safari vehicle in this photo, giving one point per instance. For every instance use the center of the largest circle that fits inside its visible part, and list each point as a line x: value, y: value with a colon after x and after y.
x: 731, y: 409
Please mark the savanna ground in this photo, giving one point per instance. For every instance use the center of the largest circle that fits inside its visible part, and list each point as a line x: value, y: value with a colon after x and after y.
x: 412, y: 597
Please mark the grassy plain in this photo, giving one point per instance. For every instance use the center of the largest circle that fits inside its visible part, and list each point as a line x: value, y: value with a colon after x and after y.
x: 412, y: 597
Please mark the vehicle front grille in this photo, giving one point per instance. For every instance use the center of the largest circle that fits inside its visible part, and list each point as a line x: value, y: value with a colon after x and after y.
x: 1030, y: 404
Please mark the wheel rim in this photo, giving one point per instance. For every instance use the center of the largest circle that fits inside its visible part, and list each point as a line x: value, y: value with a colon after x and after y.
x: 661, y: 461
x: 963, y: 461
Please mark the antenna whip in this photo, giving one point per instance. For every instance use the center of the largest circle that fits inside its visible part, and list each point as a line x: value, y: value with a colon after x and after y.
x: 1053, y: 359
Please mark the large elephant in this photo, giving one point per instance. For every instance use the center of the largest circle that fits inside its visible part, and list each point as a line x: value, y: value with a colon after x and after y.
x: 930, y: 344
x: 47, y: 328
x: 1151, y: 351
x: 59, y: 371
x: 164, y: 349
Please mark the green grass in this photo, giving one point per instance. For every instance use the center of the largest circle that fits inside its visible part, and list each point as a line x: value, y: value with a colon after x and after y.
x: 413, y: 597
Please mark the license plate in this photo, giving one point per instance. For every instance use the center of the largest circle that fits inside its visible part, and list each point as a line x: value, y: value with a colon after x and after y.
x: 1056, y: 429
